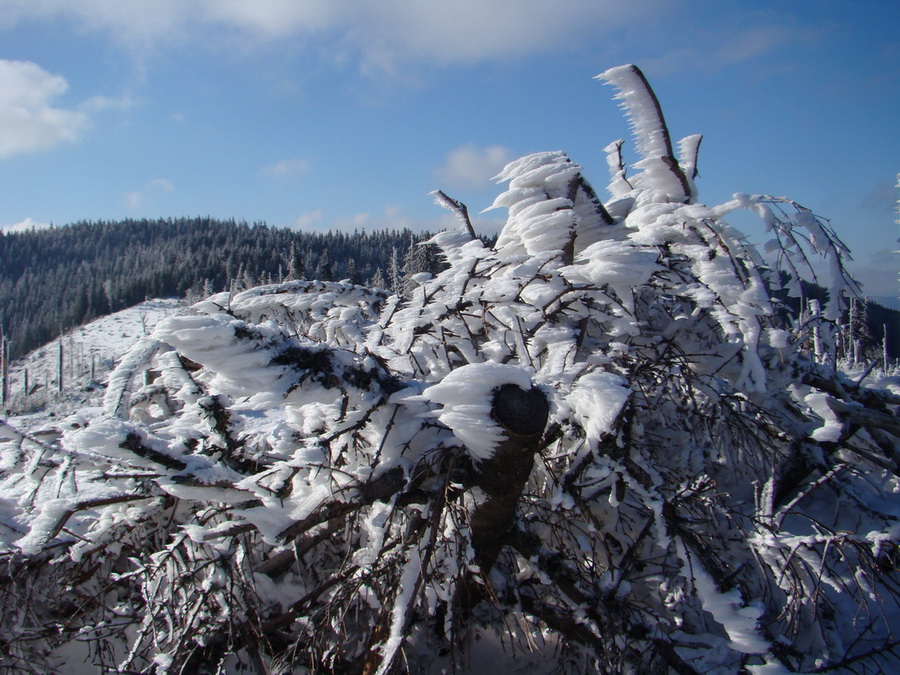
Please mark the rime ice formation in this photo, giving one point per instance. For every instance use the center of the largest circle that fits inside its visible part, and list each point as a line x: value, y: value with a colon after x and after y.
x: 308, y: 476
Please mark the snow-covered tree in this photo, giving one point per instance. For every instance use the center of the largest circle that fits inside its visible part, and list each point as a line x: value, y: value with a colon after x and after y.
x: 597, y: 446
x: 422, y: 258
x: 378, y: 280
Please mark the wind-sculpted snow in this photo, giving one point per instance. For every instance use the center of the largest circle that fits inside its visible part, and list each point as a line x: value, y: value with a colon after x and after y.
x: 465, y: 400
x: 327, y: 311
x: 600, y: 445
x: 660, y: 175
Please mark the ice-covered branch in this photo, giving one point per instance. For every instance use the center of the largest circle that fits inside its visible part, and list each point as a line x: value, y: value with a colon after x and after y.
x: 661, y: 170
x: 602, y: 445
x: 457, y: 207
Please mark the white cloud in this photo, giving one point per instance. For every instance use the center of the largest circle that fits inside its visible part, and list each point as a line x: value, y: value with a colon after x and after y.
x: 380, y: 33
x: 101, y: 103
x: 759, y: 41
x: 137, y: 23
x: 28, y: 120
x: 134, y: 200
x: 711, y: 51
x: 469, y: 166
x: 277, y: 18
x: 163, y: 184
x: 309, y: 220
x: 288, y: 168
x: 314, y: 221
x: 470, y: 31
x: 357, y: 221
x: 25, y: 226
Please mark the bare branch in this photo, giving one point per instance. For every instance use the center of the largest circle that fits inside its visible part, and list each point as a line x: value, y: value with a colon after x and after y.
x: 460, y: 209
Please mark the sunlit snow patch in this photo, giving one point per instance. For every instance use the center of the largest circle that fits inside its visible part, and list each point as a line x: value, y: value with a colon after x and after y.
x: 596, y: 400
x: 466, y: 397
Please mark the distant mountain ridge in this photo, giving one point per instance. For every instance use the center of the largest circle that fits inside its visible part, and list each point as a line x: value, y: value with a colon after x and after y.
x: 57, y: 278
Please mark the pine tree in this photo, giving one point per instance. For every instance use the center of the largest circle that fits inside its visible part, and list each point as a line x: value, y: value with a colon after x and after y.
x: 295, y: 263
x: 353, y: 275
x: 4, y: 367
x: 420, y: 258
x: 324, y: 267
x: 394, y: 276
x: 378, y: 280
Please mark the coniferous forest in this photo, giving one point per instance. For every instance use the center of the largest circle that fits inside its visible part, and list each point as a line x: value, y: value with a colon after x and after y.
x: 54, y: 279
x: 57, y: 278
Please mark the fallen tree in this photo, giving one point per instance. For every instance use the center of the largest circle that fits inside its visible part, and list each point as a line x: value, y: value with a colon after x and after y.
x: 598, y: 445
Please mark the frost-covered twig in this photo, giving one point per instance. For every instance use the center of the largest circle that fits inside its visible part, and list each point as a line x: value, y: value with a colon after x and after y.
x: 457, y: 207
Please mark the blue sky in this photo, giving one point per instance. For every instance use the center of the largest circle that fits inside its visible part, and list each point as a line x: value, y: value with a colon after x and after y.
x: 322, y: 114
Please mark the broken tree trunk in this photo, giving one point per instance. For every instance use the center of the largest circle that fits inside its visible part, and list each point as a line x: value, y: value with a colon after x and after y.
x: 523, y: 416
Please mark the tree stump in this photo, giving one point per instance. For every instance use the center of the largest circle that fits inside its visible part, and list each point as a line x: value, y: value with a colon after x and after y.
x: 523, y: 416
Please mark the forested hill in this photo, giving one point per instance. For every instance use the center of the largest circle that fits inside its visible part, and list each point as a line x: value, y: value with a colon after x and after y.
x: 57, y: 278
x: 61, y: 277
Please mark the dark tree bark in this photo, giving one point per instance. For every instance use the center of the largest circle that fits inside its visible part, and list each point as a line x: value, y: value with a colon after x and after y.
x: 523, y: 416
x: 460, y: 209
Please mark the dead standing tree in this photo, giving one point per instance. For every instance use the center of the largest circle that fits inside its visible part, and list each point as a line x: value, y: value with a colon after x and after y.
x: 593, y: 445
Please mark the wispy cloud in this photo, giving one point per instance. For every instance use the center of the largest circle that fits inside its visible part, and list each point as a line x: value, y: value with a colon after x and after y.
x: 394, y: 218
x: 316, y: 221
x: 380, y: 34
x: 137, y: 198
x: 101, y: 103
x: 288, y: 168
x: 308, y: 221
x: 25, y: 226
x: 357, y: 221
x: 29, y: 122
x: 469, y: 166
x: 163, y: 184
x: 712, y: 51
x: 882, y: 197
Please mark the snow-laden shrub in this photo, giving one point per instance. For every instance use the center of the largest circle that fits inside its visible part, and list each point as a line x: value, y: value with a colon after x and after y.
x: 601, y: 445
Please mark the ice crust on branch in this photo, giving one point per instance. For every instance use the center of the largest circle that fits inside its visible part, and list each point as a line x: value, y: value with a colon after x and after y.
x: 465, y: 397
x: 318, y: 477
x: 659, y: 168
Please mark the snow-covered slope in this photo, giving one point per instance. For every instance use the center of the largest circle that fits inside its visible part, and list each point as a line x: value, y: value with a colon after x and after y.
x: 89, y: 354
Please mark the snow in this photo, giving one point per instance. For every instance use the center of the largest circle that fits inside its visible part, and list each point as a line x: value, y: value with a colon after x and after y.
x: 832, y: 428
x: 465, y: 397
x: 658, y: 170
x: 642, y: 110
x: 779, y: 338
x: 728, y: 609
x: 406, y: 592
x: 45, y: 526
x: 296, y: 448
x: 105, y: 338
x: 597, y: 400
x: 770, y: 668
x: 618, y: 186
